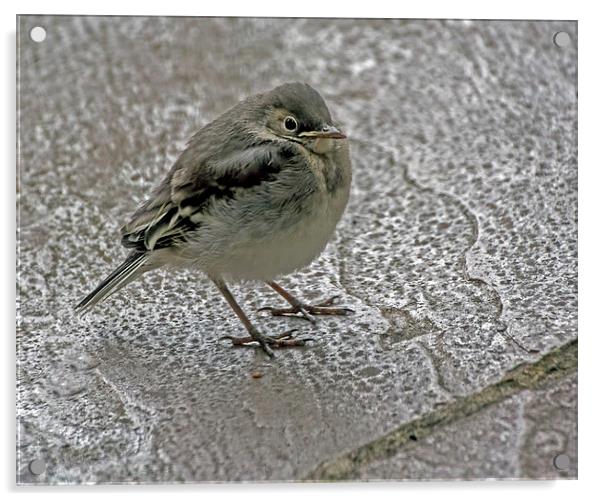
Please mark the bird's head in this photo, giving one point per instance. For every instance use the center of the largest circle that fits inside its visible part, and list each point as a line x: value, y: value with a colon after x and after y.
x: 296, y: 112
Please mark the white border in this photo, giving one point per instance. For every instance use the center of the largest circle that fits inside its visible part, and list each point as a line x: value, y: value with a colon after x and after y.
x: 590, y: 87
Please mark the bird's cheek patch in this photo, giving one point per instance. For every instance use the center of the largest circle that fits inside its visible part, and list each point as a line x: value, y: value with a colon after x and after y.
x: 322, y: 145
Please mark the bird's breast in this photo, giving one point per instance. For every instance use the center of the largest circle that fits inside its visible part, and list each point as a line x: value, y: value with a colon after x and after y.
x: 279, y: 227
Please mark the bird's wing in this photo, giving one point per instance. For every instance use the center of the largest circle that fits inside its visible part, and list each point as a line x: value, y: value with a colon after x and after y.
x: 172, y: 212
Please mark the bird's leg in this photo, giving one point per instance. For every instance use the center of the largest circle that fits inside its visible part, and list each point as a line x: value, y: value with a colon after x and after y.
x: 302, y: 310
x: 285, y: 339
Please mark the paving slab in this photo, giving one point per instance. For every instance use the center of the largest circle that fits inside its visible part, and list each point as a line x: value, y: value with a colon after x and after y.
x: 458, y: 250
x: 521, y: 437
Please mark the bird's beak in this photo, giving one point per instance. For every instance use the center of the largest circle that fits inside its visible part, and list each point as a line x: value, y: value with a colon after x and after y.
x: 328, y: 131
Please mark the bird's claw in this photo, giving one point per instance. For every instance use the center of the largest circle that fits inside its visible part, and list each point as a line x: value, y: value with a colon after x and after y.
x: 307, y: 311
x: 328, y: 302
x: 292, y: 312
x: 284, y: 340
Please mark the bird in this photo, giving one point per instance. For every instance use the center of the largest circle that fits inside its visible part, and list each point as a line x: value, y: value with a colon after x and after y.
x: 255, y: 194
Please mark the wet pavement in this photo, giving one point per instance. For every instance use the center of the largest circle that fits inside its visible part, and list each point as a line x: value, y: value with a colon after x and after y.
x: 458, y: 252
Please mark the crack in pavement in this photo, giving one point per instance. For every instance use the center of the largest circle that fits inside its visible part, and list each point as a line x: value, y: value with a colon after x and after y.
x: 143, y: 426
x: 341, y: 265
x: 439, y: 379
x: 473, y: 221
x: 553, y: 366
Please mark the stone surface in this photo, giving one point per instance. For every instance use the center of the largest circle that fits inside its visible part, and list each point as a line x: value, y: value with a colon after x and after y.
x: 458, y: 250
x: 516, y: 438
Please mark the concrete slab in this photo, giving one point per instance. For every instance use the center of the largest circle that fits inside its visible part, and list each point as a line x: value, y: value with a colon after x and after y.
x: 519, y: 437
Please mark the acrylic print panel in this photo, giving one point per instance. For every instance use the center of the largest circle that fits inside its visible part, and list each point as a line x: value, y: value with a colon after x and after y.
x: 457, y: 252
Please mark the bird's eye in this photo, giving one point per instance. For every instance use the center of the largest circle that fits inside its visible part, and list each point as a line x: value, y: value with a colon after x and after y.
x: 290, y: 123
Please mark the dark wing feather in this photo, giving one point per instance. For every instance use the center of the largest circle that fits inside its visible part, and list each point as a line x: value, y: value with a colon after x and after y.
x: 166, y: 221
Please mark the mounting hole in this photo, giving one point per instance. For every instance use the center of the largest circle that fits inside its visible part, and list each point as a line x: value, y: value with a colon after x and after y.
x: 37, y: 466
x: 37, y: 34
x: 562, y: 39
x: 562, y: 462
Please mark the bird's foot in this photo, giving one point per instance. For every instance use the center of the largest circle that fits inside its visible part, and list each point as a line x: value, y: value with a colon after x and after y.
x: 284, y: 340
x: 307, y: 311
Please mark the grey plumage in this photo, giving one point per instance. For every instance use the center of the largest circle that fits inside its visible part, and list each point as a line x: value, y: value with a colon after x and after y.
x: 123, y: 275
x: 249, y: 198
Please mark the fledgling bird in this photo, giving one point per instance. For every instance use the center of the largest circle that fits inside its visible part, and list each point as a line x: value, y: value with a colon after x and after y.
x: 256, y: 194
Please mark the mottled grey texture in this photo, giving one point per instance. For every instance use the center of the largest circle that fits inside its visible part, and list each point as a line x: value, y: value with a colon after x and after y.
x: 458, y: 250
x: 516, y: 438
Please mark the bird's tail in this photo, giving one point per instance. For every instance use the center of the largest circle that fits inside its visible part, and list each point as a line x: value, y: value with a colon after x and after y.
x: 130, y: 269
